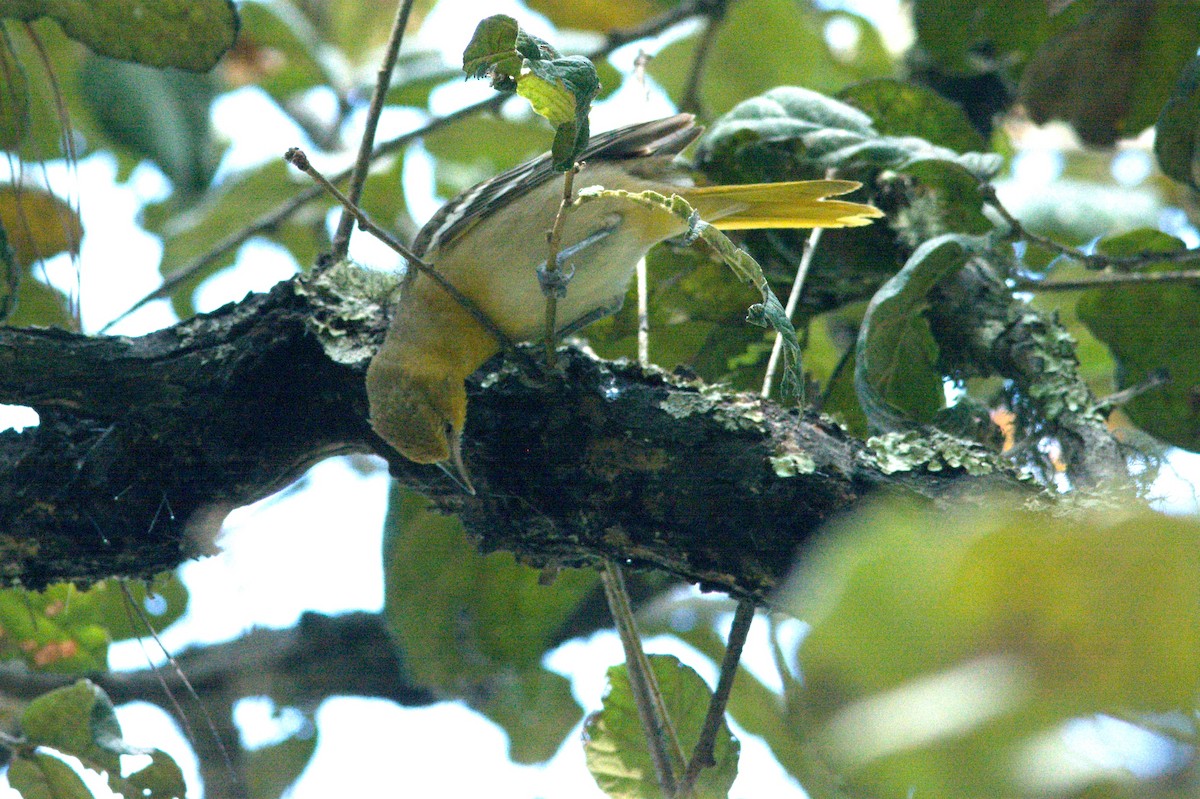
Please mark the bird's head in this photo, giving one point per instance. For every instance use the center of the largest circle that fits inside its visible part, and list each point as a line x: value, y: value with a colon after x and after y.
x: 422, y: 418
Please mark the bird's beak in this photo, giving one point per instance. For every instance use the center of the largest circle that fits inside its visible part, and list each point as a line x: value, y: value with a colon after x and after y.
x: 454, y: 467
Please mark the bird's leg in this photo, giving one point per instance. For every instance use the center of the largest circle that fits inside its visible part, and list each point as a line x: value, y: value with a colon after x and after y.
x: 554, y: 282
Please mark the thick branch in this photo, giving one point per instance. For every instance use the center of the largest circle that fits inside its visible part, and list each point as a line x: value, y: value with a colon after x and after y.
x: 146, y: 444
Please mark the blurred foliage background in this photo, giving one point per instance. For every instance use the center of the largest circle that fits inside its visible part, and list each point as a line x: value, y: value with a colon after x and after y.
x: 1013, y: 648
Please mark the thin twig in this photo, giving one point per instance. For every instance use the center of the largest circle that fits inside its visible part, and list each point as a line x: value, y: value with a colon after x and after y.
x: 663, y: 743
x: 1092, y: 261
x: 643, y: 312
x: 297, y: 158
x: 1111, y: 279
x: 841, y: 365
x: 702, y: 755
x: 810, y: 246
x: 274, y: 218
x: 362, y: 164
x: 554, y: 281
x: 1158, y: 377
x: 691, y: 94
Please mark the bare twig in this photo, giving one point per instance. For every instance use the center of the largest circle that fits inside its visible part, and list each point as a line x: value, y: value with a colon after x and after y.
x: 358, y: 176
x: 663, y: 743
x: 643, y: 312
x: 297, y: 158
x: 554, y: 280
x: 1112, y: 279
x: 1158, y: 377
x: 690, y: 101
x: 702, y: 756
x: 810, y: 246
x: 1094, y: 261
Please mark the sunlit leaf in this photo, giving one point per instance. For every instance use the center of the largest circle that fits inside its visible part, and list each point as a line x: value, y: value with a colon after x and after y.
x: 616, y: 748
x: 190, y: 35
x: 949, y: 650
x: 761, y: 44
x: 475, y: 627
x: 271, y: 770
x: 598, y: 15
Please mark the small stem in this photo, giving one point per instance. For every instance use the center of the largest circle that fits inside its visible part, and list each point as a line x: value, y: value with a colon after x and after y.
x: 1090, y: 260
x: 841, y: 365
x: 810, y: 246
x: 702, y: 756
x: 663, y: 743
x: 362, y: 164
x: 643, y: 311
x: 553, y: 273
x: 691, y: 94
x: 1112, y: 279
x: 297, y: 158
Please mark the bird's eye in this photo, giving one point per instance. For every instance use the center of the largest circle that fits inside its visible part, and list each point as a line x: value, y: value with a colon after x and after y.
x: 448, y: 429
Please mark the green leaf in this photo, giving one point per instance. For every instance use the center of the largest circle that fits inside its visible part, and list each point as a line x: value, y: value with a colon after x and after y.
x: 1110, y: 74
x: 598, y: 15
x: 189, y: 34
x: 955, y: 35
x: 1148, y: 328
x: 65, y: 629
x: 14, y: 99
x: 190, y: 235
x: 900, y: 108
x: 161, y: 779
x: 1178, y: 129
x: 476, y: 627
x: 769, y: 313
x: 290, y: 45
x: 948, y: 650
x: 615, y: 746
x: 162, y: 115
x: 271, y: 770
x: 40, y: 225
x: 77, y: 720
x: 761, y: 44
x: 895, y: 372
x: 791, y: 133
x: 493, y: 49
x: 43, y: 776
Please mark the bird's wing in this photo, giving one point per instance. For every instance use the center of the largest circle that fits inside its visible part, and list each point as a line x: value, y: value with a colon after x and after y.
x: 661, y: 137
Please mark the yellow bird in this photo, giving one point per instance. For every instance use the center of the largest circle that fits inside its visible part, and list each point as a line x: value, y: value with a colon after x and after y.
x: 490, y: 240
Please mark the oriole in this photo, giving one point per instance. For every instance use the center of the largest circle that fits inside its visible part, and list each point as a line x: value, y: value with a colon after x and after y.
x: 489, y: 241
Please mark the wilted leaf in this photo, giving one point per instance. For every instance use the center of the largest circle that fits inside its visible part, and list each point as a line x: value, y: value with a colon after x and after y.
x: 895, y: 375
x: 190, y: 35
x: 948, y: 651
x: 475, y: 627
x: 1148, y: 328
x: 616, y: 748
x: 39, y: 224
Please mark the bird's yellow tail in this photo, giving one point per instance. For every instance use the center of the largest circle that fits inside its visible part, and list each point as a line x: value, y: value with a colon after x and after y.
x: 796, y: 204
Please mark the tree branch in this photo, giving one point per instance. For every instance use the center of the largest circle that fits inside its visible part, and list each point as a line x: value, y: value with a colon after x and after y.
x: 146, y: 444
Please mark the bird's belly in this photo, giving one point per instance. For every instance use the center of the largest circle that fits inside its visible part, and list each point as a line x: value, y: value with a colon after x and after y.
x: 511, y: 294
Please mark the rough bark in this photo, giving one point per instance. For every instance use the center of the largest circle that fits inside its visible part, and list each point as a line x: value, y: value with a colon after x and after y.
x: 145, y: 444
